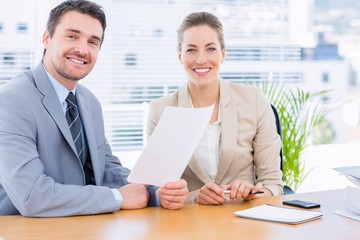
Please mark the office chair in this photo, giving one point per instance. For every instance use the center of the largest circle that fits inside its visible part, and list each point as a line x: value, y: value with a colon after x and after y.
x: 287, y: 189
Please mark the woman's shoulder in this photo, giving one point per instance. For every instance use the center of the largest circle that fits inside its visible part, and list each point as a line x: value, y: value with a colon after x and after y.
x: 240, y: 90
x: 167, y: 100
x: 242, y: 87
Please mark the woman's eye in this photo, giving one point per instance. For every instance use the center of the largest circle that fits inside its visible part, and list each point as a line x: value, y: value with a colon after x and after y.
x: 211, y: 49
x: 191, y: 50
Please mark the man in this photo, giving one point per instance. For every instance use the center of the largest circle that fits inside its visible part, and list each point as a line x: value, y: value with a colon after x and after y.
x: 54, y: 157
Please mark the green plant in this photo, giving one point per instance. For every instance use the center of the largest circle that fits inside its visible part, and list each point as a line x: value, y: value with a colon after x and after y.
x: 300, y: 112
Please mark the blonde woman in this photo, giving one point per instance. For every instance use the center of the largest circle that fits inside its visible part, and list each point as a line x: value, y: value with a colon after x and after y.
x: 239, y: 150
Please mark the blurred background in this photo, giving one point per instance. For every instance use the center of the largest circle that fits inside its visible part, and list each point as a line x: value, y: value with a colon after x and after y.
x: 312, y: 44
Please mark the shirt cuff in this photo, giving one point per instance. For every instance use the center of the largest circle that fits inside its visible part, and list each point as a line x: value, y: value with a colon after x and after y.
x: 157, y: 199
x: 118, y: 197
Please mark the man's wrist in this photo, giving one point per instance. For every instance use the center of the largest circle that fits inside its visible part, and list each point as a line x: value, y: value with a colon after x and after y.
x: 117, y: 196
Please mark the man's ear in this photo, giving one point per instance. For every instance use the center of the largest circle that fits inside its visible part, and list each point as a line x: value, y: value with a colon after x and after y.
x: 46, y: 38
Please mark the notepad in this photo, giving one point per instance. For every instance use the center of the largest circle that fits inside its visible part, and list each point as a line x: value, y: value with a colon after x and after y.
x: 279, y: 214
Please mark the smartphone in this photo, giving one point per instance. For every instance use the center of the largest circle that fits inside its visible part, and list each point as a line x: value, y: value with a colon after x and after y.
x: 302, y: 204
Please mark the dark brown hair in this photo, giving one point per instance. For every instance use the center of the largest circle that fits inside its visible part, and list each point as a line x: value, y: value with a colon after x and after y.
x: 81, y: 6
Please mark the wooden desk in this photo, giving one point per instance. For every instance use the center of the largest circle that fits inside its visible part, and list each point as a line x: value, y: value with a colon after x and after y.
x: 191, y: 222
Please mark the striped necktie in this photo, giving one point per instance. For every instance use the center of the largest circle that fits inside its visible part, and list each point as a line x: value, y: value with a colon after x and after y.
x: 73, y: 119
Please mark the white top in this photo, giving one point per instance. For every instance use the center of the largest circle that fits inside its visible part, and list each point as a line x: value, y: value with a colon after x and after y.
x: 208, y: 150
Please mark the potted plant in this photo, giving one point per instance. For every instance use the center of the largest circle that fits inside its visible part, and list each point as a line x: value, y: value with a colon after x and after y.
x: 300, y: 112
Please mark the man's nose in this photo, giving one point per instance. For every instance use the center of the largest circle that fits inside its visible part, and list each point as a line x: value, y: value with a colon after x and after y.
x: 81, y: 47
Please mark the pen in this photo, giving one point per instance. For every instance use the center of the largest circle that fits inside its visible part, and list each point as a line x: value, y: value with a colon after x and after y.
x: 228, y: 192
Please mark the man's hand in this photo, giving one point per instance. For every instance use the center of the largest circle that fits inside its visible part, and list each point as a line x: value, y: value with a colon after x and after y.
x: 173, y: 195
x: 134, y: 196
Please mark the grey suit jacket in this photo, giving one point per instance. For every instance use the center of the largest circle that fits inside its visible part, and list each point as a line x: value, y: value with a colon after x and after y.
x: 40, y: 173
x: 249, y: 142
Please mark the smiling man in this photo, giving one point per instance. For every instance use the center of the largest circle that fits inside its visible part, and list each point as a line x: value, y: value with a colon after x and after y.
x: 54, y: 157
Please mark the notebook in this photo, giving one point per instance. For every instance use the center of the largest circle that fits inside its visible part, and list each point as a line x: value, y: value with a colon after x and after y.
x: 280, y: 214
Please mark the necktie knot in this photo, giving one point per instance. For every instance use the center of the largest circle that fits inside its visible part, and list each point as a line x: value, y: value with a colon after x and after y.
x: 71, y: 104
x: 71, y: 99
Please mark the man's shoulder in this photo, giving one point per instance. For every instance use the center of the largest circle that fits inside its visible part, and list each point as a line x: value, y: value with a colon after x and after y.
x: 19, y: 83
x: 85, y: 91
x: 87, y: 94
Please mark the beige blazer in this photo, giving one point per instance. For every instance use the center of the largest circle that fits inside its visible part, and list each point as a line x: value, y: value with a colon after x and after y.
x: 250, y: 145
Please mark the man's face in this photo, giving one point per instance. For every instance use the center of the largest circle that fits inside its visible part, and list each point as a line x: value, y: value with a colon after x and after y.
x: 72, y: 51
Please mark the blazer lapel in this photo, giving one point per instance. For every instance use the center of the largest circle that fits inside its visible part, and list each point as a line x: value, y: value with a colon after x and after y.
x: 89, y: 132
x: 51, y: 103
x: 185, y: 102
x: 229, y: 129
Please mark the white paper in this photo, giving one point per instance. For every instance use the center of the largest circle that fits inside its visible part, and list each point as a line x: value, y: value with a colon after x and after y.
x: 351, y: 206
x: 347, y: 214
x: 279, y: 214
x: 353, y: 180
x: 352, y: 173
x: 171, y: 145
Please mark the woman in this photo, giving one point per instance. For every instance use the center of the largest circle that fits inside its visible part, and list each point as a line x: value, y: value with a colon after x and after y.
x: 240, y: 148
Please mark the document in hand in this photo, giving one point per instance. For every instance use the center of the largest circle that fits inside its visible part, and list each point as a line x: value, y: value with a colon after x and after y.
x: 171, y: 145
x: 279, y: 214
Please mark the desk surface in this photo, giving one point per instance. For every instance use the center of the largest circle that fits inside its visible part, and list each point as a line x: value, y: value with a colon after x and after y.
x: 192, y: 222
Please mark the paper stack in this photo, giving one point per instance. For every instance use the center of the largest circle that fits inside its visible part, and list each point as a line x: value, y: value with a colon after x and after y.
x: 351, y: 208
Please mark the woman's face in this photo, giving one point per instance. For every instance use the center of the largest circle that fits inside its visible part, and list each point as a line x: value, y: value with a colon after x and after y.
x: 201, y: 55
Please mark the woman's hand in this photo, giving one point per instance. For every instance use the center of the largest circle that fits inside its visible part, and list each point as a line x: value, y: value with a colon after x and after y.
x: 244, y: 190
x: 211, y: 194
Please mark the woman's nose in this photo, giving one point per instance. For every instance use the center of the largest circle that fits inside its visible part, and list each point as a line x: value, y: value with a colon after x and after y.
x: 201, y: 58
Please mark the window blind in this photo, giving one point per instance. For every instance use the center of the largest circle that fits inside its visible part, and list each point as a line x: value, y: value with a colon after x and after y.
x: 138, y: 60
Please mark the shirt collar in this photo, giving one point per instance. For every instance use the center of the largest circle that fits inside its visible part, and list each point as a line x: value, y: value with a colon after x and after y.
x: 61, y: 91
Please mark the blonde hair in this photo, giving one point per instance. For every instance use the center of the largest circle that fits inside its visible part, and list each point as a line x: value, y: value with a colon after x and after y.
x: 198, y: 19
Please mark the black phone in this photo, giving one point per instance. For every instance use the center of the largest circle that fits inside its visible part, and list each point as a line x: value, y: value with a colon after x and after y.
x: 302, y: 204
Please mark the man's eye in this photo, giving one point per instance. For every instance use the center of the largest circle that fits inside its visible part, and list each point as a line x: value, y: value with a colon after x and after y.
x: 71, y: 36
x: 94, y: 43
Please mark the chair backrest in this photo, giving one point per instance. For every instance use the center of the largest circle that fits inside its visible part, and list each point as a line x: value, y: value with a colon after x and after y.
x: 287, y: 189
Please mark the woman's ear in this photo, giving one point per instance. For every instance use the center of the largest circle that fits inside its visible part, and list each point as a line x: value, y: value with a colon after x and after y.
x: 180, y: 57
x: 223, y: 53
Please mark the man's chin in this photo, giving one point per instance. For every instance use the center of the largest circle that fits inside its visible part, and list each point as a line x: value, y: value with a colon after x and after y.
x: 75, y: 77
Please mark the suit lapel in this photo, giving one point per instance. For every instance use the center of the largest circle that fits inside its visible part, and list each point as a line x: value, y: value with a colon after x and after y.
x: 185, y: 102
x: 229, y: 129
x: 89, y: 127
x: 51, y: 103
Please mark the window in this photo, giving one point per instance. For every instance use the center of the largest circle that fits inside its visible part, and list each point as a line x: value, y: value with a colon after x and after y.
x: 138, y: 59
x: 22, y: 27
x: 9, y: 59
x: 130, y: 59
x: 325, y: 77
